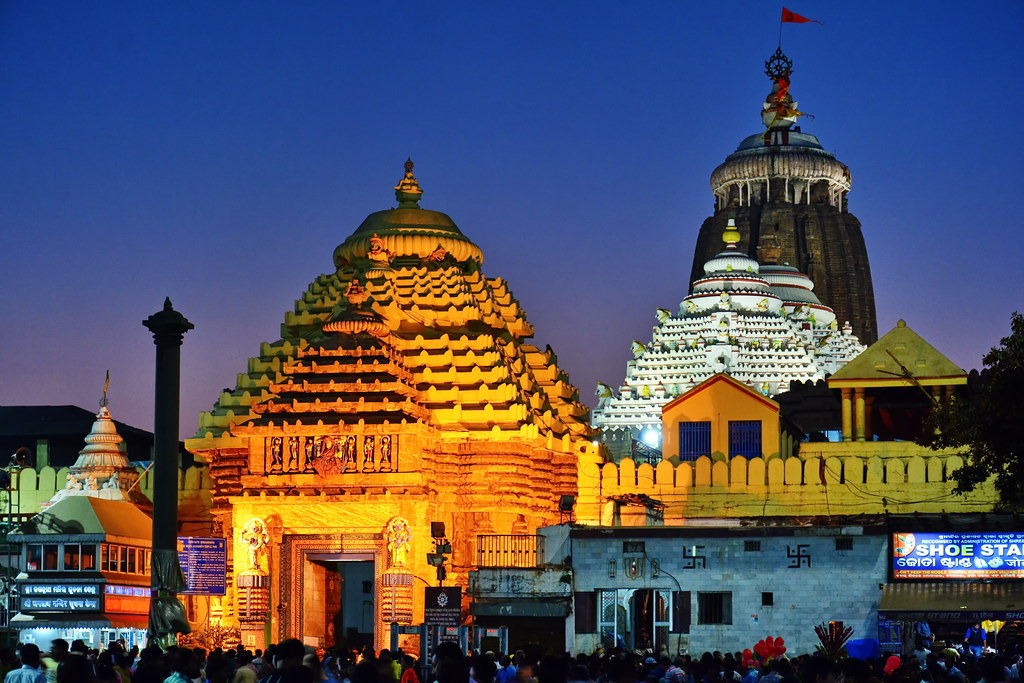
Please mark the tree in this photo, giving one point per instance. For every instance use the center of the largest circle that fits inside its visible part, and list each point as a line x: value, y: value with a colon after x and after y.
x: 988, y: 422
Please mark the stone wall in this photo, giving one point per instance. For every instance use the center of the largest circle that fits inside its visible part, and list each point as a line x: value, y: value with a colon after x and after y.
x: 805, y: 577
x: 33, y: 488
x: 825, y: 479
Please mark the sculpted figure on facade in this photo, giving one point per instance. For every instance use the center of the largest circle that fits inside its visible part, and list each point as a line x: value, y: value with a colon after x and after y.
x: 385, y: 453
x: 399, y: 539
x: 368, y: 448
x: 293, y: 453
x: 255, y: 536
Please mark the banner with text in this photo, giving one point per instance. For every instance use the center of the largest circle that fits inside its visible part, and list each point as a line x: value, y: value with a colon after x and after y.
x: 958, y: 556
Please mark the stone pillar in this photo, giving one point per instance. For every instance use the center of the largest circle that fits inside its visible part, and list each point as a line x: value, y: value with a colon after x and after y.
x: 847, y: 416
x: 168, y: 328
x: 858, y: 419
x: 869, y: 417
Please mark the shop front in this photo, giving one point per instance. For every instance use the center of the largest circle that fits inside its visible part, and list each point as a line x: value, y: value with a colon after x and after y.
x: 943, y: 580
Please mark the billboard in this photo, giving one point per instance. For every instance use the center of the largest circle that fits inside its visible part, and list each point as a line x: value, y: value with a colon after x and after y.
x: 958, y: 556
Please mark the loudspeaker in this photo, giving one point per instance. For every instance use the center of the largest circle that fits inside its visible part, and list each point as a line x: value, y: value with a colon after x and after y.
x: 437, y: 530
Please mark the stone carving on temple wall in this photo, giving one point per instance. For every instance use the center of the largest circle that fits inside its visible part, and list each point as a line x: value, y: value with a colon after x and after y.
x: 399, y: 538
x: 255, y: 536
x: 328, y: 455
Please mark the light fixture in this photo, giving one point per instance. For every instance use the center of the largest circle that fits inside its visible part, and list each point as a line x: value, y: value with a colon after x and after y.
x: 651, y: 437
x: 611, y: 569
x: 566, y: 503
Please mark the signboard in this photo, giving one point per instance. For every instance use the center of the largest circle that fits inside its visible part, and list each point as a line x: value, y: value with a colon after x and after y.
x: 958, y: 556
x: 890, y: 634
x: 205, y: 564
x: 442, y: 606
x: 60, y: 597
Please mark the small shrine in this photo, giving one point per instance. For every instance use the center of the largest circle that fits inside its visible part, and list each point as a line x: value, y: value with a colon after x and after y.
x: 85, y: 558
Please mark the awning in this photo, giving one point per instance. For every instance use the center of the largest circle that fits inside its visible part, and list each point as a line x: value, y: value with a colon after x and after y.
x: 521, y: 608
x: 962, y: 601
x: 23, y: 621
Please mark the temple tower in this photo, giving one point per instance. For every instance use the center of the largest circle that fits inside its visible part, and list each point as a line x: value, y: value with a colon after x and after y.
x: 783, y: 183
x: 402, y: 413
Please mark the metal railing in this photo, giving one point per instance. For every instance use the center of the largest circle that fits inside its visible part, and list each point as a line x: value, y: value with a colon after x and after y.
x: 509, y: 550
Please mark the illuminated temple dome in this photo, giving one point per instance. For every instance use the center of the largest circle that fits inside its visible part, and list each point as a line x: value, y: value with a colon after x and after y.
x: 760, y: 324
x: 781, y: 181
x: 404, y: 387
x: 102, y: 469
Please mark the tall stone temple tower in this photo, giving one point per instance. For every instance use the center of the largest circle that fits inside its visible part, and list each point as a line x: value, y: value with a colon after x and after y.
x: 782, y: 183
x: 402, y: 415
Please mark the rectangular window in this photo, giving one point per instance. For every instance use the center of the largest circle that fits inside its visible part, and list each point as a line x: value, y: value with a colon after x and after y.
x: 133, y: 554
x: 714, y: 608
x: 88, y: 558
x: 694, y: 440
x: 751, y: 546
x: 123, y: 564
x: 745, y: 438
x: 844, y: 543
x: 72, y: 557
x: 767, y: 599
x: 51, y: 557
x: 34, y: 557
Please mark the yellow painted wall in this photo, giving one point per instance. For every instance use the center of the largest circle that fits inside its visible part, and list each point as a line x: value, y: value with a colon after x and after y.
x: 824, y: 479
x: 718, y: 402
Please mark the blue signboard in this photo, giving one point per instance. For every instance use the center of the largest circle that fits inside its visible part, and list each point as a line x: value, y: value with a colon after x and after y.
x: 205, y: 564
x: 981, y: 555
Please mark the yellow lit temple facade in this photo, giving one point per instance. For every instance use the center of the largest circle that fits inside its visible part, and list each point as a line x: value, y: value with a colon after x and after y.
x: 403, y: 395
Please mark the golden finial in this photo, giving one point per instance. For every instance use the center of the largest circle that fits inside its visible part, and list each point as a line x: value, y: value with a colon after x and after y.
x: 408, y: 189
x: 731, y: 235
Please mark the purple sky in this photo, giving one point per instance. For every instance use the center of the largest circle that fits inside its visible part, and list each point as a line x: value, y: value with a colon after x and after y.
x: 217, y: 153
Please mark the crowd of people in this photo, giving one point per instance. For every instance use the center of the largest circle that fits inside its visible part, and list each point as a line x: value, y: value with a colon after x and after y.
x: 292, y: 662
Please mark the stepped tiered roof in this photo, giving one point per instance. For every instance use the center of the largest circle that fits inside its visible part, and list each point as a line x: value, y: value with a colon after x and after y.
x: 762, y: 325
x: 102, y: 469
x: 407, y: 329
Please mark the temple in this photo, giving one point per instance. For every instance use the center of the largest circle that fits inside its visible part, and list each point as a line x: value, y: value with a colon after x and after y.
x: 782, y: 184
x: 761, y: 324
x: 402, y: 413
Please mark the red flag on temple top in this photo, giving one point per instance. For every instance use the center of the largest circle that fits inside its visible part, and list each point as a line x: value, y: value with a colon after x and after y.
x: 794, y: 18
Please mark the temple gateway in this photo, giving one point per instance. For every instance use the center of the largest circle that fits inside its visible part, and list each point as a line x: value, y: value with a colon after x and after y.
x: 402, y: 413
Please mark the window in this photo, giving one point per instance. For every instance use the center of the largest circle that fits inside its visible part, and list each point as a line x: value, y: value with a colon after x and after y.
x: 88, y: 558
x: 694, y: 440
x: 844, y: 543
x: 714, y: 608
x: 751, y: 546
x: 51, y: 557
x: 33, y: 557
x: 72, y: 557
x: 745, y: 438
x: 767, y: 599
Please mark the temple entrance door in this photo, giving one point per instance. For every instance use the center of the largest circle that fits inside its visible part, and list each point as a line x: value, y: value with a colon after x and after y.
x: 352, y: 607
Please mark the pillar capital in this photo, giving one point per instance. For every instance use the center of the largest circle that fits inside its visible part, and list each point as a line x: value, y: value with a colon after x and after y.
x: 168, y: 326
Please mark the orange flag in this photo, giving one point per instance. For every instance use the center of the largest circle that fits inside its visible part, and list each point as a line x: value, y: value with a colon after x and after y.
x: 794, y: 18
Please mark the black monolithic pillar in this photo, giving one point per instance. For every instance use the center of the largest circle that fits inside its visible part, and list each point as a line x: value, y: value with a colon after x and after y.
x: 168, y: 328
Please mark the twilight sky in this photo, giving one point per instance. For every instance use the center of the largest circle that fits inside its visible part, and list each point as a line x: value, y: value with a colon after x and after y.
x: 217, y: 153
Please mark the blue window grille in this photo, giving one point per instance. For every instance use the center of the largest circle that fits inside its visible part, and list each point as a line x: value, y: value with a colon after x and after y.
x: 745, y: 438
x: 694, y: 440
